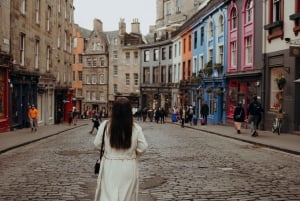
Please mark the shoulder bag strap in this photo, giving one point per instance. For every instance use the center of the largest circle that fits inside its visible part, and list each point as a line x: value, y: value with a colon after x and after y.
x: 102, y: 144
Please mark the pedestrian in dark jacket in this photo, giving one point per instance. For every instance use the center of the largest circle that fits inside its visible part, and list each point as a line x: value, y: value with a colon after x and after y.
x: 204, y: 112
x: 254, y: 111
x: 238, y: 117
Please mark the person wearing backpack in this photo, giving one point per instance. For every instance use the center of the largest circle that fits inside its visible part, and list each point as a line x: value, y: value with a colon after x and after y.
x: 254, y: 112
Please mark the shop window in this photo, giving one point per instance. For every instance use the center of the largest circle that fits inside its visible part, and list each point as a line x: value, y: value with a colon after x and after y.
x: 276, y: 92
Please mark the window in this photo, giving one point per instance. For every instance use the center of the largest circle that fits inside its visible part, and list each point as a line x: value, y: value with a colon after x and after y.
x: 136, y: 79
x: 80, y: 58
x: 275, y: 92
x: 155, y: 74
x: 89, y: 62
x: 249, y: 11
x: 115, y: 54
x: 210, y: 55
x: 48, y: 59
x: 80, y: 75
x: 37, y: 11
x: 22, y: 49
x: 168, y: 8
x: 233, y: 54
x: 155, y: 54
x: 75, y: 42
x: 210, y: 30
x: 170, y: 74
x: 201, y: 62
x: 221, y: 54
x: 146, y: 75
x: 221, y: 24
x: 127, y: 79
x: 202, y: 36
x: 276, y: 10
x: 195, y: 39
x: 66, y: 6
x: 184, y: 45
x: 179, y: 48
x: 115, y: 88
x: 115, y: 71
x: 102, y: 80
x: 146, y: 55
x: 248, y: 52
x: 48, y: 18
x: 88, y: 95
x: 58, y: 37
x: 163, y: 74
x: 233, y: 24
x: 65, y: 41
x: 127, y: 58
x: 102, y: 62
x: 94, y: 96
x: 2, y: 81
x: 275, y: 26
x: 94, y: 62
x: 79, y: 92
x: 136, y: 58
x: 23, y: 6
x: 211, y: 103
x: 59, y: 6
x: 88, y: 79
x: 170, y: 52
x: 190, y: 43
x: 163, y: 53
x: 74, y: 75
x: 36, y: 54
x: 178, y: 6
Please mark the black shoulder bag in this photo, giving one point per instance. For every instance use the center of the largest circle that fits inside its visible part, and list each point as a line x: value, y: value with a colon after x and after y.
x: 97, y: 165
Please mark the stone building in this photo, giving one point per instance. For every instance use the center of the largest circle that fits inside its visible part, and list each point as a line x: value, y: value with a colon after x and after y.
x: 124, y: 62
x: 95, y: 70
x: 41, y: 47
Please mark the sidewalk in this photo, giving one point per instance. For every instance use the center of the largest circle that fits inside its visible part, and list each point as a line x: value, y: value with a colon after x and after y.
x: 13, y: 139
x: 285, y: 142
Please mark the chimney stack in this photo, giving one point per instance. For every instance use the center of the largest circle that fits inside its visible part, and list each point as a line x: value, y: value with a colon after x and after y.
x: 135, y: 26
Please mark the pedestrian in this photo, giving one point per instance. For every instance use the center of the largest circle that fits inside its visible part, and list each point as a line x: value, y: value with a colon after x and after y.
x: 238, y: 117
x: 74, y: 119
x: 124, y: 143
x: 70, y: 117
x: 162, y: 115
x: 33, y: 115
x: 182, y: 113
x: 204, y: 113
x: 96, y: 123
x: 59, y: 116
x: 190, y: 114
x: 144, y: 114
x: 254, y: 111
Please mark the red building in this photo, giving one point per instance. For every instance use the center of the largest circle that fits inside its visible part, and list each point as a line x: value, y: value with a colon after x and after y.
x: 4, y: 82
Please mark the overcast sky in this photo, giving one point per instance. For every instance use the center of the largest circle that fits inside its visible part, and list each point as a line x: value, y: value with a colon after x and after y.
x: 110, y: 12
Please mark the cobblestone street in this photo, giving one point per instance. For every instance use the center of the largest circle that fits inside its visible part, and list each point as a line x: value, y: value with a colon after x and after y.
x: 180, y: 164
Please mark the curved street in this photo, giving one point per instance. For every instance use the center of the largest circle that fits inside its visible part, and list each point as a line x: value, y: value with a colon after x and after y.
x: 180, y: 164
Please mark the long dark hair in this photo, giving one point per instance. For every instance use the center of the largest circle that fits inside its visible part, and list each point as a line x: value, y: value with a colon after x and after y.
x: 121, y: 124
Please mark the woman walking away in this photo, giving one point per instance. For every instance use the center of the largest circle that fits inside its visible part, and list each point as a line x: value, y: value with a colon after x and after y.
x: 124, y: 143
x: 238, y: 117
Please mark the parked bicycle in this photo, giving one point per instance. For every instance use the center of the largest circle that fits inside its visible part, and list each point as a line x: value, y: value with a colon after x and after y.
x: 277, y: 123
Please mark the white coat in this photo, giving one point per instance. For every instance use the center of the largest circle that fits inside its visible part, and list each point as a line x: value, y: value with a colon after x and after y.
x: 118, y: 176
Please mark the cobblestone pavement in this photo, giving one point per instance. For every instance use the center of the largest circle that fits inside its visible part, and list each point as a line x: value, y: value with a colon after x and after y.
x: 181, y: 164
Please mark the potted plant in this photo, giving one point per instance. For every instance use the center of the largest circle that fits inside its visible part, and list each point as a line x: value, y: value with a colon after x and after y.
x: 219, y: 67
x: 208, y: 68
x: 219, y: 91
x: 281, y: 81
x: 208, y: 89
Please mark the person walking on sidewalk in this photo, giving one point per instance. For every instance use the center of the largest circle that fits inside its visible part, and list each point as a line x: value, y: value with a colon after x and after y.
x: 238, y: 117
x: 124, y: 143
x: 33, y: 115
x: 204, y: 112
x: 183, y: 115
x: 254, y: 111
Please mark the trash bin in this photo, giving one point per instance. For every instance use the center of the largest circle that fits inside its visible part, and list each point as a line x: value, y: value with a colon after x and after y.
x: 174, y: 118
